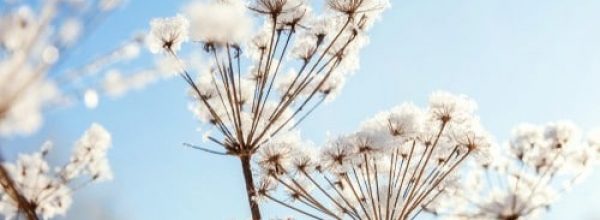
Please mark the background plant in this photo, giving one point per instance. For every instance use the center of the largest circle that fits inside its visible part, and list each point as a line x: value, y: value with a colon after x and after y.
x: 525, y: 176
x: 47, y: 189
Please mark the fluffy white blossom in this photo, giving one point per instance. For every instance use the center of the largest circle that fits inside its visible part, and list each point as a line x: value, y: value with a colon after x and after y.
x: 219, y: 22
x: 167, y: 34
x: 446, y: 107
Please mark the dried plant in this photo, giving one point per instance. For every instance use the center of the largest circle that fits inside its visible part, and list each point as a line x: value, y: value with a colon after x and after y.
x: 526, y: 176
x: 397, y: 163
x: 292, y: 64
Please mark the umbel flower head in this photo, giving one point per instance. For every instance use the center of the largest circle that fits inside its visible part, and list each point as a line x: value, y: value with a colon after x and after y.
x: 297, y: 61
x: 167, y: 34
x: 49, y: 189
x: 397, y: 164
x: 525, y: 176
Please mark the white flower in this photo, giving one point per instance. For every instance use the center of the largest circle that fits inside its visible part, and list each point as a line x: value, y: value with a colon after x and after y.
x: 561, y: 133
x: 305, y: 47
x: 219, y: 21
x: 329, y: 87
x: 524, y: 138
x: 446, y: 107
x: 89, y: 155
x: 353, y: 7
x: 337, y: 156
x: 167, y: 34
x: 405, y: 121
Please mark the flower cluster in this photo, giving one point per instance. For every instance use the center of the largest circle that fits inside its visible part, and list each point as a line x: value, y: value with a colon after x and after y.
x: 393, y: 167
x: 526, y: 175
x: 48, y: 190
x: 296, y: 61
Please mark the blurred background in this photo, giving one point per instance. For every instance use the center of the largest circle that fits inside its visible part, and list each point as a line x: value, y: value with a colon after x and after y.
x: 522, y: 61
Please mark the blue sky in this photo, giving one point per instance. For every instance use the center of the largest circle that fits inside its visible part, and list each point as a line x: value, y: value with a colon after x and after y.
x: 522, y: 61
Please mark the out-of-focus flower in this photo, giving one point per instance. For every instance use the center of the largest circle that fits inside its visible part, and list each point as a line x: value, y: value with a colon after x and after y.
x: 526, y: 176
x: 50, y: 189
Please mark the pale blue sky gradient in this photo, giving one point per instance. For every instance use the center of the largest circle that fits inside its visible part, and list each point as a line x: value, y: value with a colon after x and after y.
x: 522, y: 61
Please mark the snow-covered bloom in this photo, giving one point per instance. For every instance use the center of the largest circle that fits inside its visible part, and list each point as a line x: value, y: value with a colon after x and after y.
x: 167, y: 34
x: 397, y: 165
x: 219, y: 22
x: 352, y: 7
x: 447, y: 108
x: 366, y: 11
x: 49, y: 190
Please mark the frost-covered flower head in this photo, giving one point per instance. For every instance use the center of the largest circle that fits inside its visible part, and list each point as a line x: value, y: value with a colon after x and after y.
x: 253, y: 87
x: 352, y: 7
x: 446, y: 107
x: 364, y: 11
x: 167, y: 34
x: 219, y: 22
x: 537, y: 164
x: 397, y: 165
x: 49, y: 190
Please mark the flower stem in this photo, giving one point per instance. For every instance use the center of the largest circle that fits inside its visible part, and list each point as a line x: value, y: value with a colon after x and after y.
x: 250, y: 189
